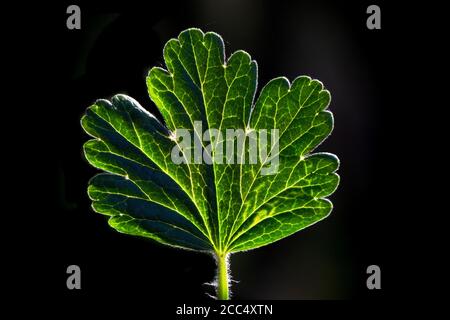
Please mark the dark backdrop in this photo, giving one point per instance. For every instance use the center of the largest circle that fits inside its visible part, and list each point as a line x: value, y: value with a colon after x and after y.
x: 113, y: 51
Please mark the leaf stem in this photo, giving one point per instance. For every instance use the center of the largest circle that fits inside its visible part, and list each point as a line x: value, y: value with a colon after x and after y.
x: 222, y: 276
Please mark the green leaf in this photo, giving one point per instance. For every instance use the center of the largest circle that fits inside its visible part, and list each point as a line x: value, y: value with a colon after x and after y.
x: 220, y: 207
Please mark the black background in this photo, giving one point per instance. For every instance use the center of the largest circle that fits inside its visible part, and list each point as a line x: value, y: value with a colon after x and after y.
x: 117, y: 45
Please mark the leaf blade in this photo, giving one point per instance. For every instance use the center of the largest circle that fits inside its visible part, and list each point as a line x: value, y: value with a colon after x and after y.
x: 223, y: 207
